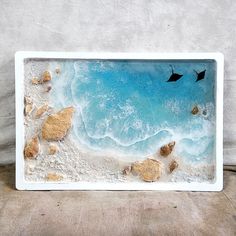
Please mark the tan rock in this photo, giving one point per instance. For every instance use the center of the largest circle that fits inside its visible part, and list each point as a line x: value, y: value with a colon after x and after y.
x: 28, y: 109
x: 167, y: 149
x: 31, y: 149
x: 173, y: 165
x: 56, y: 126
x: 195, y: 110
x: 53, y: 177
x: 148, y: 170
x: 28, y: 105
x: 35, y: 80
x: 40, y: 111
x: 46, y: 76
x: 52, y: 149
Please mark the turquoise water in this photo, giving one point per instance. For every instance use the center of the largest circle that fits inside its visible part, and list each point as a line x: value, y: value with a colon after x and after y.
x: 128, y: 108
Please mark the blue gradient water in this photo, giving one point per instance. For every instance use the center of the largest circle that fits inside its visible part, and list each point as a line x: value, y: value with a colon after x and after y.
x: 127, y: 107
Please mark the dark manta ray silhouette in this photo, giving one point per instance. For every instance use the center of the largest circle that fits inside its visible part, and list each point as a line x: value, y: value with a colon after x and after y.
x: 174, y: 76
x: 200, y: 75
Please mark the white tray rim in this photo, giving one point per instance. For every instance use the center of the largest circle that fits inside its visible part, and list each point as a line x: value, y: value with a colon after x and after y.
x: 22, y: 184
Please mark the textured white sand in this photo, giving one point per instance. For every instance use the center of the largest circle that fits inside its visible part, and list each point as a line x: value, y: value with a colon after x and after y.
x: 75, y: 163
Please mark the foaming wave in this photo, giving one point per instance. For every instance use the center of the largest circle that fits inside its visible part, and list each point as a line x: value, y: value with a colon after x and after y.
x: 62, y: 91
x: 189, y: 146
x: 114, y: 139
x: 196, y: 149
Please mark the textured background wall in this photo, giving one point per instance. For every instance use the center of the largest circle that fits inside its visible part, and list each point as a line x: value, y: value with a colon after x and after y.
x: 116, y: 26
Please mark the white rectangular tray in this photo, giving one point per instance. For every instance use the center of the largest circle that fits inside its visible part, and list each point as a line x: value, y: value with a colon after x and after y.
x: 23, y: 184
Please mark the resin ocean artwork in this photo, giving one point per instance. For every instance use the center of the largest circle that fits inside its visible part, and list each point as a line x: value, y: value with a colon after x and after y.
x: 119, y: 121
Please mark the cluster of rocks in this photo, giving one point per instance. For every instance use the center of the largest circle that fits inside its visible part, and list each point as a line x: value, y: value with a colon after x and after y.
x: 54, y: 127
x: 150, y: 170
x: 46, y: 77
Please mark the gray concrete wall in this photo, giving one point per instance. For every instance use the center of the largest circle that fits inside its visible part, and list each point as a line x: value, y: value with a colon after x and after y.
x: 116, y: 26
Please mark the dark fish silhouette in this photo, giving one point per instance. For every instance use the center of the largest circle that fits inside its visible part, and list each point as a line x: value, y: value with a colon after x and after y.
x: 200, y: 75
x: 174, y: 76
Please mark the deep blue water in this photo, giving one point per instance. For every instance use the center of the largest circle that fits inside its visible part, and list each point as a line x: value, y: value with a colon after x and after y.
x: 128, y: 107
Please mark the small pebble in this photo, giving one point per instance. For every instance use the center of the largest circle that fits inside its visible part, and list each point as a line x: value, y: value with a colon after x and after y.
x: 28, y: 105
x: 48, y: 89
x: 167, y: 149
x: 204, y: 112
x: 46, y: 76
x: 35, y: 80
x: 52, y: 149
x: 53, y: 177
x: 57, y: 70
x: 195, y: 110
x: 173, y: 165
x: 127, y: 170
x: 41, y: 111
x: 32, y: 147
